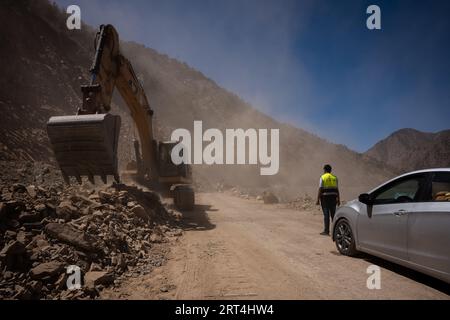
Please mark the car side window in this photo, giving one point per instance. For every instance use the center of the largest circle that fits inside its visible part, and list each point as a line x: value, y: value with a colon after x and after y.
x: 404, y: 190
x: 440, y: 186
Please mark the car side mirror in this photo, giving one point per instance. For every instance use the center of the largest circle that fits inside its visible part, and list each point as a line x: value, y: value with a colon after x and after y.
x: 365, y: 198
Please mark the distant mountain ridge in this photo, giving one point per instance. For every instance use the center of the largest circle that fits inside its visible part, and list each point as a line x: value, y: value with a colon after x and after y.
x: 410, y: 149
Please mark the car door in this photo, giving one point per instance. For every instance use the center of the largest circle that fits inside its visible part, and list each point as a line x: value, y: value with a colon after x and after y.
x: 383, y: 227
x: 429, y: 226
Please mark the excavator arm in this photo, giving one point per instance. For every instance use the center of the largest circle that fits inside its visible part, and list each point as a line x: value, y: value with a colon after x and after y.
x: 111, y: 70
x: 86, y: 143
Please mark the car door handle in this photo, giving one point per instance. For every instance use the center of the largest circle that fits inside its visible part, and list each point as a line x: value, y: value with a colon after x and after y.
x: 400, y: 212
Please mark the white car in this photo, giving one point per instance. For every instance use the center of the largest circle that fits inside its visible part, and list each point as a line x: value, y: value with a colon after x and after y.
x: 405, y: 220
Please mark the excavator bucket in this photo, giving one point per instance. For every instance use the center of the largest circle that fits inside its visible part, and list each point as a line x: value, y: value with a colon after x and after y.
x: 85, y: 145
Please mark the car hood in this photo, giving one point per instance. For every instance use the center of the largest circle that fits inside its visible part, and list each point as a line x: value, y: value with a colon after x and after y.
x: 354, y: 204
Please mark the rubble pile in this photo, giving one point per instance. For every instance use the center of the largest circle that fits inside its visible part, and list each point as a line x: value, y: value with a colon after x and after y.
x: 30, y: 173
x: 304, y: 203
x: 268, y: 197
x: 108, y: 233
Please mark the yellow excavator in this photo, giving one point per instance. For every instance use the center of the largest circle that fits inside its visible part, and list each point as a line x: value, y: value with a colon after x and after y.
x: 86, y: 144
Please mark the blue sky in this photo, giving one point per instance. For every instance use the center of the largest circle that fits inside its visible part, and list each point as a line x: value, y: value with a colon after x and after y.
x: 312, y: 63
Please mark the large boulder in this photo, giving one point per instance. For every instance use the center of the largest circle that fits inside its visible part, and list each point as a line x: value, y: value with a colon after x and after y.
x: 46, y: 270
x: 140, y: 212
x: 70, y: 235
x: 31, y: 191
x: 96, y: 278
x: 14, y: 247
x: 12, y: 255
x: 67, y: 211
x: 29, y: 217
x: 269, y: 197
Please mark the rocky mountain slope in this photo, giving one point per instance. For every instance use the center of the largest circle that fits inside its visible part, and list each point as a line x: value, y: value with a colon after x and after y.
x: 44, y: 65
x: 410, y: 149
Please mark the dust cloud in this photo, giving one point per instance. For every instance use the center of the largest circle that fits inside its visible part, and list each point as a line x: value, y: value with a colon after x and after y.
x: 180, y: 95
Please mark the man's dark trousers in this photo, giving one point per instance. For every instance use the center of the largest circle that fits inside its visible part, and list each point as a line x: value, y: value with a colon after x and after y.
x: 329, y: 208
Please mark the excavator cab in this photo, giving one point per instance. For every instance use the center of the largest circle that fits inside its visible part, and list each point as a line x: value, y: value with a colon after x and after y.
x: 167, y: 169
x: 85, y: 145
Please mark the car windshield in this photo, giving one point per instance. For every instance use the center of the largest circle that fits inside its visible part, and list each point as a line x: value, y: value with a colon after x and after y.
x: 404, y: 191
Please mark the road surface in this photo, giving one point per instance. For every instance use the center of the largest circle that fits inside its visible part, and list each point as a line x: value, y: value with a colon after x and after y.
x: 233, y: 248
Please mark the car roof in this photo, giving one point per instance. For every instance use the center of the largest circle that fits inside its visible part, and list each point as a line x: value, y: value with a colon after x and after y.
x: 410, y: 173
x: 425, y: 170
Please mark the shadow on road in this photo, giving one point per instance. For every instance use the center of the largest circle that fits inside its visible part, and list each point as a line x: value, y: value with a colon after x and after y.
x: 405, y: 272
x: 197, y: 219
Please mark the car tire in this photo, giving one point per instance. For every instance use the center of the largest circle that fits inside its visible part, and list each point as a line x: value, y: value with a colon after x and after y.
x: 344, y: 238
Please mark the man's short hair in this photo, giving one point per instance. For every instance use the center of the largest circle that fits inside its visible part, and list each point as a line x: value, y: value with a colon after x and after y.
x: 327, y: 168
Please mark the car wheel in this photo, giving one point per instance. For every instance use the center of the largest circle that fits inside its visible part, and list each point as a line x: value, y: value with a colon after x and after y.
x: 344, y: 238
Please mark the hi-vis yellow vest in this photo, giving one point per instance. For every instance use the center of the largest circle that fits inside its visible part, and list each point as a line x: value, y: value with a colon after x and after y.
x: 329, y: 181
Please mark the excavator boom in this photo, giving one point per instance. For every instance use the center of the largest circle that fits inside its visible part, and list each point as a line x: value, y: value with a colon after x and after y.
x: 86, y: 144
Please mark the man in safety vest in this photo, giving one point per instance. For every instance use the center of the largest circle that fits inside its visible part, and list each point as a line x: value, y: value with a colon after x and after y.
x: 328, y: 197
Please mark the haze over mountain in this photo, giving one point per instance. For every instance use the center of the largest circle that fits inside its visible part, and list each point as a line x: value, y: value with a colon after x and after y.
x: 42, y: 74
x: 410, y: 149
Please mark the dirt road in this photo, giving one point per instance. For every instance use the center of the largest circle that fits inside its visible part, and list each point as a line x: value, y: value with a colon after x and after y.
x: 234, y: 248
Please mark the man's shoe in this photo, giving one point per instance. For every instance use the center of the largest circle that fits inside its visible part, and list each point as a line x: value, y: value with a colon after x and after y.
x: 324, y: 233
